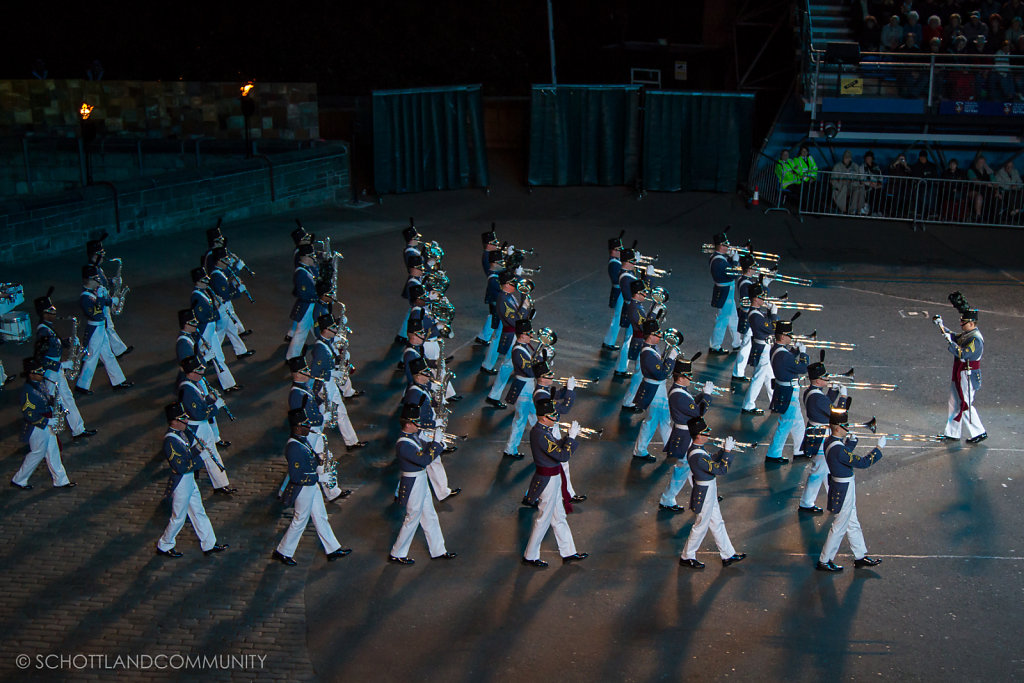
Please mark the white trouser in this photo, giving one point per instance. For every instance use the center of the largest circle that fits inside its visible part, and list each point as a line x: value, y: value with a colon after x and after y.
x: 680, y: 476
x: 230, y: 307
x: 552, y: 514
x: 117, y: 346
x: 501, y: 379
x: 658, y: 419
x: 816, y: 475
x: 347, y: 390
x: 99, y: 350
x: 42, y: 443
x: 486, y: 331
x: 491, y: 357
x: 526, y: 413
x: 727, y: 319
x: 791, y: 424
x: 348, y: 433
x: 59, y: 383
x: 419, y: 511
x: 623, y: 363
x: 710, y: 516
x: 211, y: 456
x: 612, y: 335
x: 186, y: 502
x: 634, y: 384
x: 226, y: 328
x: 740, y: 367
x: 845, y: 523
x: 763, y: 374
x: 402, y: 331
x: 970, y: 417
x: 216, y: 353
x: 302, y: 329
x: 308, y: 503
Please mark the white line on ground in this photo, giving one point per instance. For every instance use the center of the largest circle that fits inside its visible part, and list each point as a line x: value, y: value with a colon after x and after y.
x: 925, y: 301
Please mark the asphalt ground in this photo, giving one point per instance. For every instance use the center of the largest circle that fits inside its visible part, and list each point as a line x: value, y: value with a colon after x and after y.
x: 82, y: 577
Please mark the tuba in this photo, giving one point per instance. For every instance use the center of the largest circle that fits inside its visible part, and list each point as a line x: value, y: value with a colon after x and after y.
x: 660, y: 297
x: 672, y: 338
x: 118, y: 290
x: 547, y: 338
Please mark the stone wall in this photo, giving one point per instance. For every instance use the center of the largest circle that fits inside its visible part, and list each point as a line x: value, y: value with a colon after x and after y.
x: 171, y: 109
x: 35, y: 229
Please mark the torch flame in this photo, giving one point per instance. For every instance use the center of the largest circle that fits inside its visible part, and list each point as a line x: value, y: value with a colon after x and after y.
x: 85, y: 111
x: 246, y: 88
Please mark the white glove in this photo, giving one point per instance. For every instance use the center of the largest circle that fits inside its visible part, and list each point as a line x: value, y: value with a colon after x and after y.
x: 709, y: 388
x: 510, y: 250
x: 431, y: 349
x: 344, y: 320
x: 320, y: 470
x: 451, y: 334
x: 115, y: 301
x: 801, y: 348
x: 949, y: 338
x: 574, y: 429
x: 439, y: 435
x: 730, y: 443
x: 571, y: 384
x: 882, y: 441
x: 519, y: 271
x: 432, y: 262
x: 843, y: 391
x: 322, y: 478
x: 243, y: 288
x: 220, y: 403
x: 734, y: 255
x: 650, y: 271
x: 672, y: 354
x: 434, y: 296
x: 766, y: 281
x: 773, y: 309
x: 938, y: 321
x: 556, y: 432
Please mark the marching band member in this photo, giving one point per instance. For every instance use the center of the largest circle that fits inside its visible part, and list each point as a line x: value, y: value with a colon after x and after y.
x: 304, y: 289
x: 787, y: 365
x: 967, y: 348
x: 683, y: 407
x: 611, y: 338
x: 549, y: 450
x: 414, y: 263
x: 191, y: 343
x: 415, y: 453
x: 744, y: 280
x: 94, y: 302
x: 704, y: 497
x: 300, y: 238
x: 520, y: 391
x: 95, y: 253
x: 183, y: 455
x: 37, y: 413
x: 201, y: 406
x: 495, y: 265
x: 48, y: 349
x: 651, y: 395
x: 420, y: 394
x: 563, y: 398
x: 491, y: 245
x: 234, y: 267
x: 762, y: 324
x: 842, y: 494
x: 723, y: 296
x: 227, y: 288
x: 818, y: 406
x: 632, y: 317
x: 324, y: 368
x: 512, y: 306
x: 207, y: 315
x: 636, y: 342
x: 305, y: 474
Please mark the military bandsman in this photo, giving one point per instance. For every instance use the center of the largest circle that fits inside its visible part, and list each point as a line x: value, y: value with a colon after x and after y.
x: 49, y: 348
x: 819, y: 399
x: 94, y: 302
x: 761, y: 321
x: 788, y: 363
x: 39, y: 430
x: 723, y: 295
x: 967, y: 349
x: 683, y: 407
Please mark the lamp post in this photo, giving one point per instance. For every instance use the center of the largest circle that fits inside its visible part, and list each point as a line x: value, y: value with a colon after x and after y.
x: 248, y: 109
x: 88, y: 134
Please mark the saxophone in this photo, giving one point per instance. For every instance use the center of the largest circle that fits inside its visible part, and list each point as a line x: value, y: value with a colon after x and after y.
x: 330, y: 466
x: 76, y: 355
x: 330, y: 408
x: 60, y: 415
x: 119, y: 291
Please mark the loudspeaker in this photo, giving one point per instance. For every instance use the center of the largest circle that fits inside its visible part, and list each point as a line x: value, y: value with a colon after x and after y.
x: 846, y: 52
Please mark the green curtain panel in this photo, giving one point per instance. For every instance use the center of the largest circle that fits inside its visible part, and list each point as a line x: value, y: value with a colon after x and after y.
x: 696, y: 141
x: 584, y: 134
x: 429, y: 139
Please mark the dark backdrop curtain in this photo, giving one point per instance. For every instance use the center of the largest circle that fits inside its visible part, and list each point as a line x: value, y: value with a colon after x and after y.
x: 696, y: 141
x: 584, y: 134
x: 429, y: 139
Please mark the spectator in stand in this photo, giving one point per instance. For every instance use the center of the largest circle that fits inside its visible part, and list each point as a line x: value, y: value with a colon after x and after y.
x: 789, y: 177
x: 933, y: 30
x: 873, y: 195
x: 926, y: 171
x: 1010, y: 185
x: 1012, y: 8
x: 848, y: 185
x: 898, y: 190
x: 935, y: 46
x: 996, y: 30
x: 914, y: 26
x: 952, y: 193
x: 975, y: 27
x: 892, y: 34
x: 987, y: 8
x: 954, y: 27
x: 871, y: 35
x: 1019, y: 47
x: 1015, y: 31
x: 910, y: 44
x: 982, y: 192
x: 807, y: 169
x: 1001, y: 85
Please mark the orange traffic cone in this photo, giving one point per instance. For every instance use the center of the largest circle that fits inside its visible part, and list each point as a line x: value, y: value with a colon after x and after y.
x: 755, y: 200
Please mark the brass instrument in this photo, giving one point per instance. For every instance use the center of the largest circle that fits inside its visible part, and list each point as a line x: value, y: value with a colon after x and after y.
x: 740, y: 447
x: 585, y: 432
x: 330, y: 411
x: 524, y: 287
x: 60, y: 414
x: 871, y: 424
x: 329, y: 464
x: 811, y: 341
x: 642, y: 260
x: 432, y: 251
x: 580, y: 383
x: 659, y: 272
x: 119, y: 292
x: 775, y: 276
x: 846, y: 380
x: 759, y: 255
x: 76, y: 354
x: 672, y: 338
x: 782, y: 303
x: 436, y: 281
x: 716, y: 390
x: 450, y: 439
x: 530, y: 272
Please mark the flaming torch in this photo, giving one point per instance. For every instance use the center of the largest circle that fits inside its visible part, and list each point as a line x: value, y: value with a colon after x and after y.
x: 88, y: 129
x: 248, y: 109
x: 85, y: 110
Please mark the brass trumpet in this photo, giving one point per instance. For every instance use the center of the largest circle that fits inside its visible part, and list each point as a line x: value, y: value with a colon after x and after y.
x: 776, y: 276
x: 585, y: 432
x: 580, y: 382
x: 661, y: 272
x: 759, y: 255
x: 646, y: 260
x: 741, y: 446
x: 717, y: 391
x: 871, y: 424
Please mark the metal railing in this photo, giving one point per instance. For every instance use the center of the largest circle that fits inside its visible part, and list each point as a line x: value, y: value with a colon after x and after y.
x: 766, y: 178
x: 906, y: 198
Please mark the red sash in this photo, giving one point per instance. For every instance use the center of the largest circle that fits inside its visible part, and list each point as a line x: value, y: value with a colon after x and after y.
x: 558, y: 471
x: 958, y: 367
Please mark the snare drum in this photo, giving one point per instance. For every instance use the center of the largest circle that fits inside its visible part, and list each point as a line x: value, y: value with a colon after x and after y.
x: 14, y: 326
x: 11, y: 295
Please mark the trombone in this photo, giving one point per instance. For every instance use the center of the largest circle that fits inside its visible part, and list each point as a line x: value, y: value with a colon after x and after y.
x: 580, y: 383
x: 871, y: 424
x: 811, y: 341
x: 646, y: 260
x: 782, y: 304
x: 846, y: 380
x: 585, y: 432
x: 759, y: 255
x: 741, y: 446
x: 776, y: 276
x: 716, y: 391
x: 530, y: 272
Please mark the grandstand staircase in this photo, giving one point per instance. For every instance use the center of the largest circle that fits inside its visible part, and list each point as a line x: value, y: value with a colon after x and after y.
x: 830, y: 22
